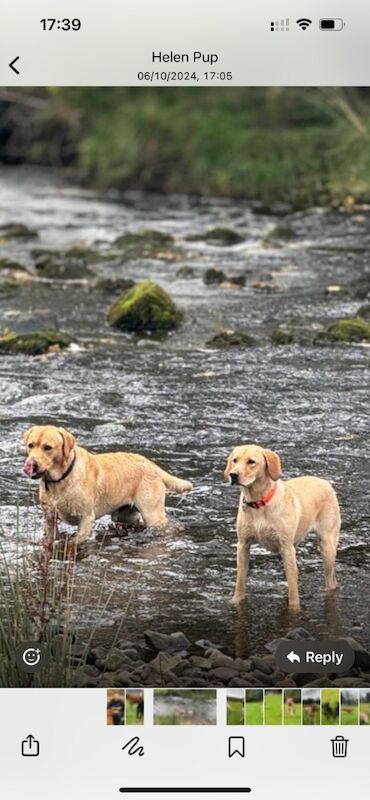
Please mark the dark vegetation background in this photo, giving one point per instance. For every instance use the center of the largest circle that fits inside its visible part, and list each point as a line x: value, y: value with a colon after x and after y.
x: 301, y: 146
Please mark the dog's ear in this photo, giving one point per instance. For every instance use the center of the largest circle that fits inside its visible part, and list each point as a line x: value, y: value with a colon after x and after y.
x: 27, y: 435
x: 229, y: 465
x: 69, y: 441
x: 273, y: 464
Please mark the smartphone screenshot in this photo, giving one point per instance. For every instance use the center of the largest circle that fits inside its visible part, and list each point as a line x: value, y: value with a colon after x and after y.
x: 184, y: 399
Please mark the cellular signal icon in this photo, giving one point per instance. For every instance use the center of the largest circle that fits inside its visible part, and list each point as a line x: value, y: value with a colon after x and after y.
x: 280, y: 25
x: 304, y: 23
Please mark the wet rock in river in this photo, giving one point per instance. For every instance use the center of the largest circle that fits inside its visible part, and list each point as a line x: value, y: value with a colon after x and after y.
x: 265, y: 664
x: 113, y: 285
x: 202, y: 663
x: 213, y: 275
x: 224, y: 674
x: 234, y: 281
x: 144, y: 307
x: 324, y: 682
x: 13, y: 276
x: 172, y: 643
x: 265, y: 286
x: 164, y: 662
x: 15, y: 230
x: 33, y: 344
x: 114, y: 661
x: 230, y: 338
x: 185, y: 272
x: 85, y: 254
x: 299, y: 633
x: 278, y: 235
x: 336, y: 290
x: 147, y: 244
x: 296, y: 333
x: 71, y: 265
x: 353, y: 329
x: 201, y: 645
x: 362, y: 656
x: 220, y: 235
x: 169, y: 660
x: 8, y: 266
x: 364, y: 312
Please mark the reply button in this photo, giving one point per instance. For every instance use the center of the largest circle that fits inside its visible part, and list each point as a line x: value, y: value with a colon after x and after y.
x: 320, y: 655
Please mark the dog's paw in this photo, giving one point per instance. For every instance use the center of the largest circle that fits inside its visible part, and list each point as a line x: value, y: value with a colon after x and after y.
x: 236, y: 599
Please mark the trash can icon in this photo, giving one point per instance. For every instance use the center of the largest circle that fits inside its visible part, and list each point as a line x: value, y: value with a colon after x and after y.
x: 339, y: 745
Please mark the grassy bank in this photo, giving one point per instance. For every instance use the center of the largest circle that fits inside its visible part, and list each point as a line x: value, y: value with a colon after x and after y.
x: 301, y: 146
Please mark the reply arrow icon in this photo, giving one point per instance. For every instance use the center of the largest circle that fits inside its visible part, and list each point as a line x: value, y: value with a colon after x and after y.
x: 292, y: 657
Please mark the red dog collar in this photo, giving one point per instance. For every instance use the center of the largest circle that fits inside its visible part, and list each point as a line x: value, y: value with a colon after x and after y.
x: 264, y: 500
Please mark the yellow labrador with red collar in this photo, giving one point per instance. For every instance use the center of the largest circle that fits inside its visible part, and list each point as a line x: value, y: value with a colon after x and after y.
x: 279, y: 514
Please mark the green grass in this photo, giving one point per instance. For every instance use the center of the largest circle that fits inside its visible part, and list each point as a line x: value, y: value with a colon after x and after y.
x: 235, y: 711
x: 131, y: 718
x: 254, y: 713
x: 38, y: 595
x: 273, y: 708
x: 349, y: 717
x: 330, y: 698
x: 305, y: 146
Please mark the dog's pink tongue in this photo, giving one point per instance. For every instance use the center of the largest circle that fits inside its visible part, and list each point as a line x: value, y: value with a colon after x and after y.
x: 29, y: 468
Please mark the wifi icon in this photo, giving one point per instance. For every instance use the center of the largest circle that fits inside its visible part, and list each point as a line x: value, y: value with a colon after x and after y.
x: 304, y: 23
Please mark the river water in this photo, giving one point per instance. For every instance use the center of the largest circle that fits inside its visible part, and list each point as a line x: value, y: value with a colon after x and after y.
x: 186, y: 405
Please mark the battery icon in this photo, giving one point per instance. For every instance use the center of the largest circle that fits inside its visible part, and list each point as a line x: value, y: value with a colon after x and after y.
x: 331, y: 24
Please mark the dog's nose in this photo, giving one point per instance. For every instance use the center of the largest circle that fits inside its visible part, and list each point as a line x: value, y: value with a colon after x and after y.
x: 31, y: 467
x: 234, y: 477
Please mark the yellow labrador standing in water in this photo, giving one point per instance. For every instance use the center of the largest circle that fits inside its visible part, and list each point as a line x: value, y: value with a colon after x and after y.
x: 279, y: 514
x: 78, y: 487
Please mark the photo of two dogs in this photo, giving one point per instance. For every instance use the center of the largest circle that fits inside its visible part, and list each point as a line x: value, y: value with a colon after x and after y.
x: 78, y: 487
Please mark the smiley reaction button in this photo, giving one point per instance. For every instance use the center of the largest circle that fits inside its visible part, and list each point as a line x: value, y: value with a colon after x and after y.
x: 30, y: 656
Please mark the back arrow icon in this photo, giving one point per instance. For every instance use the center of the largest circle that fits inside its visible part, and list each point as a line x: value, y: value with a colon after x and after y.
x: 11, y: 65
x: 292, y: 656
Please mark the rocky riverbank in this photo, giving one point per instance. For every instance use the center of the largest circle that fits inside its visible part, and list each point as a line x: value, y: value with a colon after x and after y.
x: 161, y: 660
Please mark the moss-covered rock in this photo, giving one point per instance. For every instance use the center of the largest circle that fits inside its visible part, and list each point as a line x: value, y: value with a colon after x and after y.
x: 213, y: 275
x: 279, y: 234
x: 147, y: 244
x: 144, y: 307
x: 304, y: 333
x: 353, y: 329
x: 219, y: 235
x: 33, y: 344
x: 227, y: 338
x: 15, y: 230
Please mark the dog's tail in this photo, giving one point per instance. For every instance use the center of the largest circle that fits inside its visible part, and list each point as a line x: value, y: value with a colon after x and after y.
x: 174, y: 484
